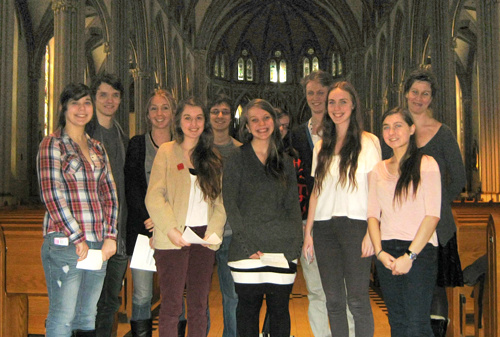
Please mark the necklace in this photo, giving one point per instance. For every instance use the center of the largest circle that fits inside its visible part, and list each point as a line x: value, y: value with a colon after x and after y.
x: 152, y: 140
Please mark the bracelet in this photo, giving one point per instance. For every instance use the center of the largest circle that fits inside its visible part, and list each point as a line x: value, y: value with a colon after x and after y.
x: 379, y: 253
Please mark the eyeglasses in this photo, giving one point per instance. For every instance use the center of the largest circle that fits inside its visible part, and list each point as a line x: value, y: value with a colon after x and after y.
x: 217, y: 111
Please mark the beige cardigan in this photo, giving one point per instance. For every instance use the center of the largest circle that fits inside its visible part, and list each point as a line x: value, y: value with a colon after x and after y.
x: 167, y: 198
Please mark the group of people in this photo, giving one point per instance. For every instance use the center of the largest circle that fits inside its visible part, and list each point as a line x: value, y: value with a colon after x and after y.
x: 319, y: 192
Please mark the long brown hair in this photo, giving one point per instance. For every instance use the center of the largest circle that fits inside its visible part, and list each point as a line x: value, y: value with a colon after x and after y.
x: 275, y: 164
x: 352, y: 144
x: 206, y: 161
x: 409, y: 166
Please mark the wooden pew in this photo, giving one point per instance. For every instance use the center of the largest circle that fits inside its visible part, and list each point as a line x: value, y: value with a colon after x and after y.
x: 471, y: 220
x: 23, y: 299
x: 491, y: 301
x: 23, y: 292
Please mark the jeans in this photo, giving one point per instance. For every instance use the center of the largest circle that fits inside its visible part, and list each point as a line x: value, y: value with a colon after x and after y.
x: 318, y: 315
x: 109, y: 302
x: 408, y: 297
x: 143, y: 294
x: 229, y: 296
x: 73, y: 293
x: 250, y: 297
x: 189, y: 267
x: 344, y: 273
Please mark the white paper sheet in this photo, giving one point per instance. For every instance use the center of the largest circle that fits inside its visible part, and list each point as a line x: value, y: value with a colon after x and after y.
x: 142, y: 258
x: 192, y: 237
x: 274, y: 260
x: 93, y: 261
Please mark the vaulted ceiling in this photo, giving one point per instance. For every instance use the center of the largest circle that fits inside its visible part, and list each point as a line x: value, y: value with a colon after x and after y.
x: 261, y: 25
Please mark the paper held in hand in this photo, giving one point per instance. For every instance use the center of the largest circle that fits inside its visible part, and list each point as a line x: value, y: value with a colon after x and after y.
x: 274, y: 260
x: 192, y: 237
x: 142, y: 258
x: 93, y: 261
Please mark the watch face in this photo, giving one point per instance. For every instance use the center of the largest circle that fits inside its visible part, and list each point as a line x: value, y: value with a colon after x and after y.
x: 412, y: 255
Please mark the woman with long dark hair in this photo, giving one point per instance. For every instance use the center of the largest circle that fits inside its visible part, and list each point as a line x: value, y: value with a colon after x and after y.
x: 404, y: 207
x: 337, y: 211
x: 141, y: 152
x: 185, y: 191
x: 262, y: 205
x: 77, y: 188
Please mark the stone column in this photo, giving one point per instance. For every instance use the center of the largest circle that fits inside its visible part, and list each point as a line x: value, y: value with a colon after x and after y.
x: 488, y: 17
x: 118, y: 55
x: 143, y: 86
x: 201, y: 78
x: 443, y: 64
x: 7, y: 29
x: 69, y: 36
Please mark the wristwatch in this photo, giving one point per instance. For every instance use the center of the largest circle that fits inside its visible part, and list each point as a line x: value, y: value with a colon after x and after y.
x: 411, y: 255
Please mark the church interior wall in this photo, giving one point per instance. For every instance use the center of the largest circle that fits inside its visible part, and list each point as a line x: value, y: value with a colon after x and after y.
x: 173, y: 47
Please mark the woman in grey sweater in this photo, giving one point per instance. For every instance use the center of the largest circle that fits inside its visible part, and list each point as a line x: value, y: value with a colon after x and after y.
x: 262, y: 205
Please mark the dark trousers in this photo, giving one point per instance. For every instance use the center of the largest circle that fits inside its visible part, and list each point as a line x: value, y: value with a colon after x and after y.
x: 250, y: 297
x: 189, y: 267
x: 408, y: 297
x: 109, y: 302
x: 337, y: 244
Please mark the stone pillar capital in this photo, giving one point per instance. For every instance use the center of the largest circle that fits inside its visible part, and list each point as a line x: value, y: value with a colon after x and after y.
x: 64, y: 5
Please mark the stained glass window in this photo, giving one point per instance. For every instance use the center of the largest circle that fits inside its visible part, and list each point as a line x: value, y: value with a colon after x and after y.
x: 249, y: 73
x: 306, y: 67
x: 282, y: 71
x: 273, y: 72
x: 241, y: 69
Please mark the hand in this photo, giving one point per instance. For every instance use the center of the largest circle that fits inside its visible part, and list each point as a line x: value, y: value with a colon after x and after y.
x: 402, y: 265
x: 148, y: 223
x: 256, y: 255
x: 206, y: 238
x: 176, y: 237
x: 81, y: 250
x: 386, y: 259
x: 308, y: 248
x: 367, y: 246
x: 108, y: 249
x: 151, y: 243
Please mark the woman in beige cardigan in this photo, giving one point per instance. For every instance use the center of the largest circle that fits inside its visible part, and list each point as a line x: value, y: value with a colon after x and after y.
x: 185, y: 191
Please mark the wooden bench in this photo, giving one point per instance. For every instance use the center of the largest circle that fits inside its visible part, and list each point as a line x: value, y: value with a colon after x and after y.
x: 23, y: 292
x: 471, y: 220
x: 491, y: 303
x: 23, y: 298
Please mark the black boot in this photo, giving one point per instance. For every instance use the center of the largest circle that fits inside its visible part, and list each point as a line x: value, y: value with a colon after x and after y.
x: 181, y: 328
x: 439, y: 327
x: 83, y: 333
x: 142, y: 328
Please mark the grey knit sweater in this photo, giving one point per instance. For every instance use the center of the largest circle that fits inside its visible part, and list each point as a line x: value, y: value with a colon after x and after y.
x: 264, y: 214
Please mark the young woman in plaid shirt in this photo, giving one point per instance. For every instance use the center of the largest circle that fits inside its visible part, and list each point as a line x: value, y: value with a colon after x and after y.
x: 77, y: 188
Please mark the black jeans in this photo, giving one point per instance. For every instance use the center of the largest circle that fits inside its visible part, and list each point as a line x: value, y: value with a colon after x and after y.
x: 109, y: 302
x: 408, y: 297
x: 337, y: 244
x: 250, y: 297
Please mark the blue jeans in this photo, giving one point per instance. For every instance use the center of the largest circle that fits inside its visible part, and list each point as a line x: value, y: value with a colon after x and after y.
x: 109, y: 302
x: 408, y: 297
x: 73, y: 293
x: 143, y: 294
x: 226, y: 283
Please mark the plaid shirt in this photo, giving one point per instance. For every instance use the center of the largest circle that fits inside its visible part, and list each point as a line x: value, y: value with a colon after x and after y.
x: 81, y: 200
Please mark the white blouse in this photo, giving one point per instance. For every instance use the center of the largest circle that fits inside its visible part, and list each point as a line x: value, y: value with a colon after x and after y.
x: 197, y: 214
x: 336, y: 200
